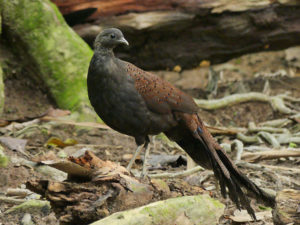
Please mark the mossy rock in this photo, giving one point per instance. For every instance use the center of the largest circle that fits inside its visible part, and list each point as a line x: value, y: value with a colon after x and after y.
x: 200, y: 209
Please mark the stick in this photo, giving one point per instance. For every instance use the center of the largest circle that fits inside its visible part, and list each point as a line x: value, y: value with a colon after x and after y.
x: 267, y: 168
x: 275, y: 154
x: 178, y: 174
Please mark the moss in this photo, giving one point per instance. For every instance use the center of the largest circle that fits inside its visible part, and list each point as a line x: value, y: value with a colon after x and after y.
x: 160, y: 184
x: 60, y: 56
x: 31, y: 206
x: 195, y: 207
x: 138, y: 188
x: 3, y: 158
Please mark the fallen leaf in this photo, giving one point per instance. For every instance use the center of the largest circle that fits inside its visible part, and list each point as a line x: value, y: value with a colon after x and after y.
x: 204, y: 63
x: 14, y: 144
x: 177, y: 68
x: 56, y: 142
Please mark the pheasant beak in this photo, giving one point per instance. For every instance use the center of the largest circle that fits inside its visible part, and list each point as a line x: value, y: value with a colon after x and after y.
x: 122, y: 40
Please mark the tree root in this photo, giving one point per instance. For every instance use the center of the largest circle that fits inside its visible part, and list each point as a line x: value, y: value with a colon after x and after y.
x: 277, y: 102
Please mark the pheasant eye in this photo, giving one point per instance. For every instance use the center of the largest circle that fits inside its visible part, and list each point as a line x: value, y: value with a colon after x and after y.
x: 112, y: 36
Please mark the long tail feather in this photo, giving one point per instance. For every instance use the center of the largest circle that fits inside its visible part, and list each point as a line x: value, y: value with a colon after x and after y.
x: 203, y: 149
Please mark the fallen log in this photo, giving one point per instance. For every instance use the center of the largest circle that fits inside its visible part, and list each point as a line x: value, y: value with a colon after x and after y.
x: 184, y: 33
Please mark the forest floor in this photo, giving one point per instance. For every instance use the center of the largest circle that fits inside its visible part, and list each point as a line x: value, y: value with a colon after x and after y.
x: 26, y: 102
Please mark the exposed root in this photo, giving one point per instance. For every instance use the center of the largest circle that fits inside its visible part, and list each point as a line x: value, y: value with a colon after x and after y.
x: 277, y: 102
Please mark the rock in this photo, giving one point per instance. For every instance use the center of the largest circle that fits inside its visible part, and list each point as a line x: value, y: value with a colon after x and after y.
x: 200, y: 209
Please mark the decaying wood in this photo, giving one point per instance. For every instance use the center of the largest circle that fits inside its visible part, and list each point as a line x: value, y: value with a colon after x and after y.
x: 184, y: 33
x: 287, y: 208
x: 104, y: 188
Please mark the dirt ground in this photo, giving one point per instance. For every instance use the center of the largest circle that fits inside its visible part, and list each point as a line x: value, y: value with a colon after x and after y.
x: 26, y: 102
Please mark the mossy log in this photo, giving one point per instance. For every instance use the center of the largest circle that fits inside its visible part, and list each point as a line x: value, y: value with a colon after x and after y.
x: 176, y: 32
x: 48, y: 47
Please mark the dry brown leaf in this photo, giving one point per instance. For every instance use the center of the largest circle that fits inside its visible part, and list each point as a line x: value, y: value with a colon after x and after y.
x: 204, y: 63
x: 177, y: 68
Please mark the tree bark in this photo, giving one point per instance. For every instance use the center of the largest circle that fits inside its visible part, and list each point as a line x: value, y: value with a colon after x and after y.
x: 163, y: 34
x: 51, y: 50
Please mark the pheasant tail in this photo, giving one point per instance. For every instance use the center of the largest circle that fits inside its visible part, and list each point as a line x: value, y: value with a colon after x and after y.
x: 205, y: 151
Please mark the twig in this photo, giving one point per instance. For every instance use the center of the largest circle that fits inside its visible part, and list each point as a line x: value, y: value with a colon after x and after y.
x: 18, y: 192
x: 225, y: 130
x: 255, y: 148
x: 267, y: 168
x: 12, y: 200
x: 275, y: 154
x: 83, y: 124
x: 178, y: 174
x: 282, y: 168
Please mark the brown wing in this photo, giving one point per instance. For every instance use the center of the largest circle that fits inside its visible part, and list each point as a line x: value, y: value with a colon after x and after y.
x: 160, y: 95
